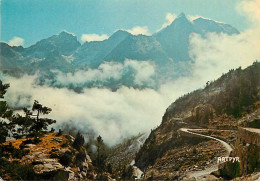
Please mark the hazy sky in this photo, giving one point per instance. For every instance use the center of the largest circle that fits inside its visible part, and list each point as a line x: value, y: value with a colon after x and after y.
x: 32, y: 20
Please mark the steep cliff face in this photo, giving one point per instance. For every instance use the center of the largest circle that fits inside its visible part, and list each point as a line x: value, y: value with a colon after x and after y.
x: 51, y: 159
x: 247, y: 148
x: 219, y: 105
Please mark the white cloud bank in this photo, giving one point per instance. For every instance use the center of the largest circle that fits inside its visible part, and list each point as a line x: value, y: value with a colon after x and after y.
x: 16, y: 41
x: 143, y: 73
x: 170, y: 17
x: 139, y: 30
x: 252, y: 10
x: 216, y: 54
x: 93, y: 37
x: 113, y: 114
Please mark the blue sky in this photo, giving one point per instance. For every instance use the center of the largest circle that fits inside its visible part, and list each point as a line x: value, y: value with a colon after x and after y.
x: 33, y: 20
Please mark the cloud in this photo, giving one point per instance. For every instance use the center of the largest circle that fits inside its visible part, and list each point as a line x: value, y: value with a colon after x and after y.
x: 139, y: 30
x: 93, y: 37
x: 106, y: 71
x: 251, y: 9
x: 16, y: 41
x: 169, y: 19
x: 142, y: 72
x: 114, y: 115
x: 216, y: 54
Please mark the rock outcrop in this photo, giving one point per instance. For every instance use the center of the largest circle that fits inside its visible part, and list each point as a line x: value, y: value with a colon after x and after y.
x: 54, y: 158
x: 47, y: 165
x: 247, y: 148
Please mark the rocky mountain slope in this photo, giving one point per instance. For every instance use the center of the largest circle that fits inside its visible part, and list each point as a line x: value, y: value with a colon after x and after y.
x: 93, y: 53
x: 53, y: 158
x: 56, y: 45
x: 124, y: 153
x: 224, y: 104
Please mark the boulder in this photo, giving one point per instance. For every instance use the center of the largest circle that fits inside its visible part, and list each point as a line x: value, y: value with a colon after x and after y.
x: 29, y: 146
x: 85, y: 165
x: 47, y: 165
x: 71, y: 176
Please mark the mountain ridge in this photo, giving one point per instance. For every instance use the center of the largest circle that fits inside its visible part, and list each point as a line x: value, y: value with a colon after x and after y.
x: 168, y: 49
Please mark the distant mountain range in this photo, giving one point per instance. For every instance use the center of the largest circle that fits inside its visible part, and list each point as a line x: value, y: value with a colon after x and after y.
x: 166, y: 48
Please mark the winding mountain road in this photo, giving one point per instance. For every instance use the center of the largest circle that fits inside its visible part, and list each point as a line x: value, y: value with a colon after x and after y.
x: 228, y: 148
x: 226, y: 145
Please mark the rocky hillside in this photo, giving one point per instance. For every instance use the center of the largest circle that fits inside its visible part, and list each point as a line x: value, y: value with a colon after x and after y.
x: 247, y: 148
x: 53, y: 158
x: 233, y: 94
x: 221, y: 105
x: 124, y: 153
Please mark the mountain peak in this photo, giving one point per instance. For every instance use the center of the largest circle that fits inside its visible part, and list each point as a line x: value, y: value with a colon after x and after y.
x: 181, y: 15
x: 181, y: 18
x: 120, y: 35
x: 64, y: 43
x: 122, y: 32
x: 65, y: 33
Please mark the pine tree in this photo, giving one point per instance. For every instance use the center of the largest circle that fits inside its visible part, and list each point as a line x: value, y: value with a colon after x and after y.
x: 101, y: 154
x: 22, y: 126
x: 5, y: 113
x: 31, y: 124
x: 79, y: 141
x: 37, y: 125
